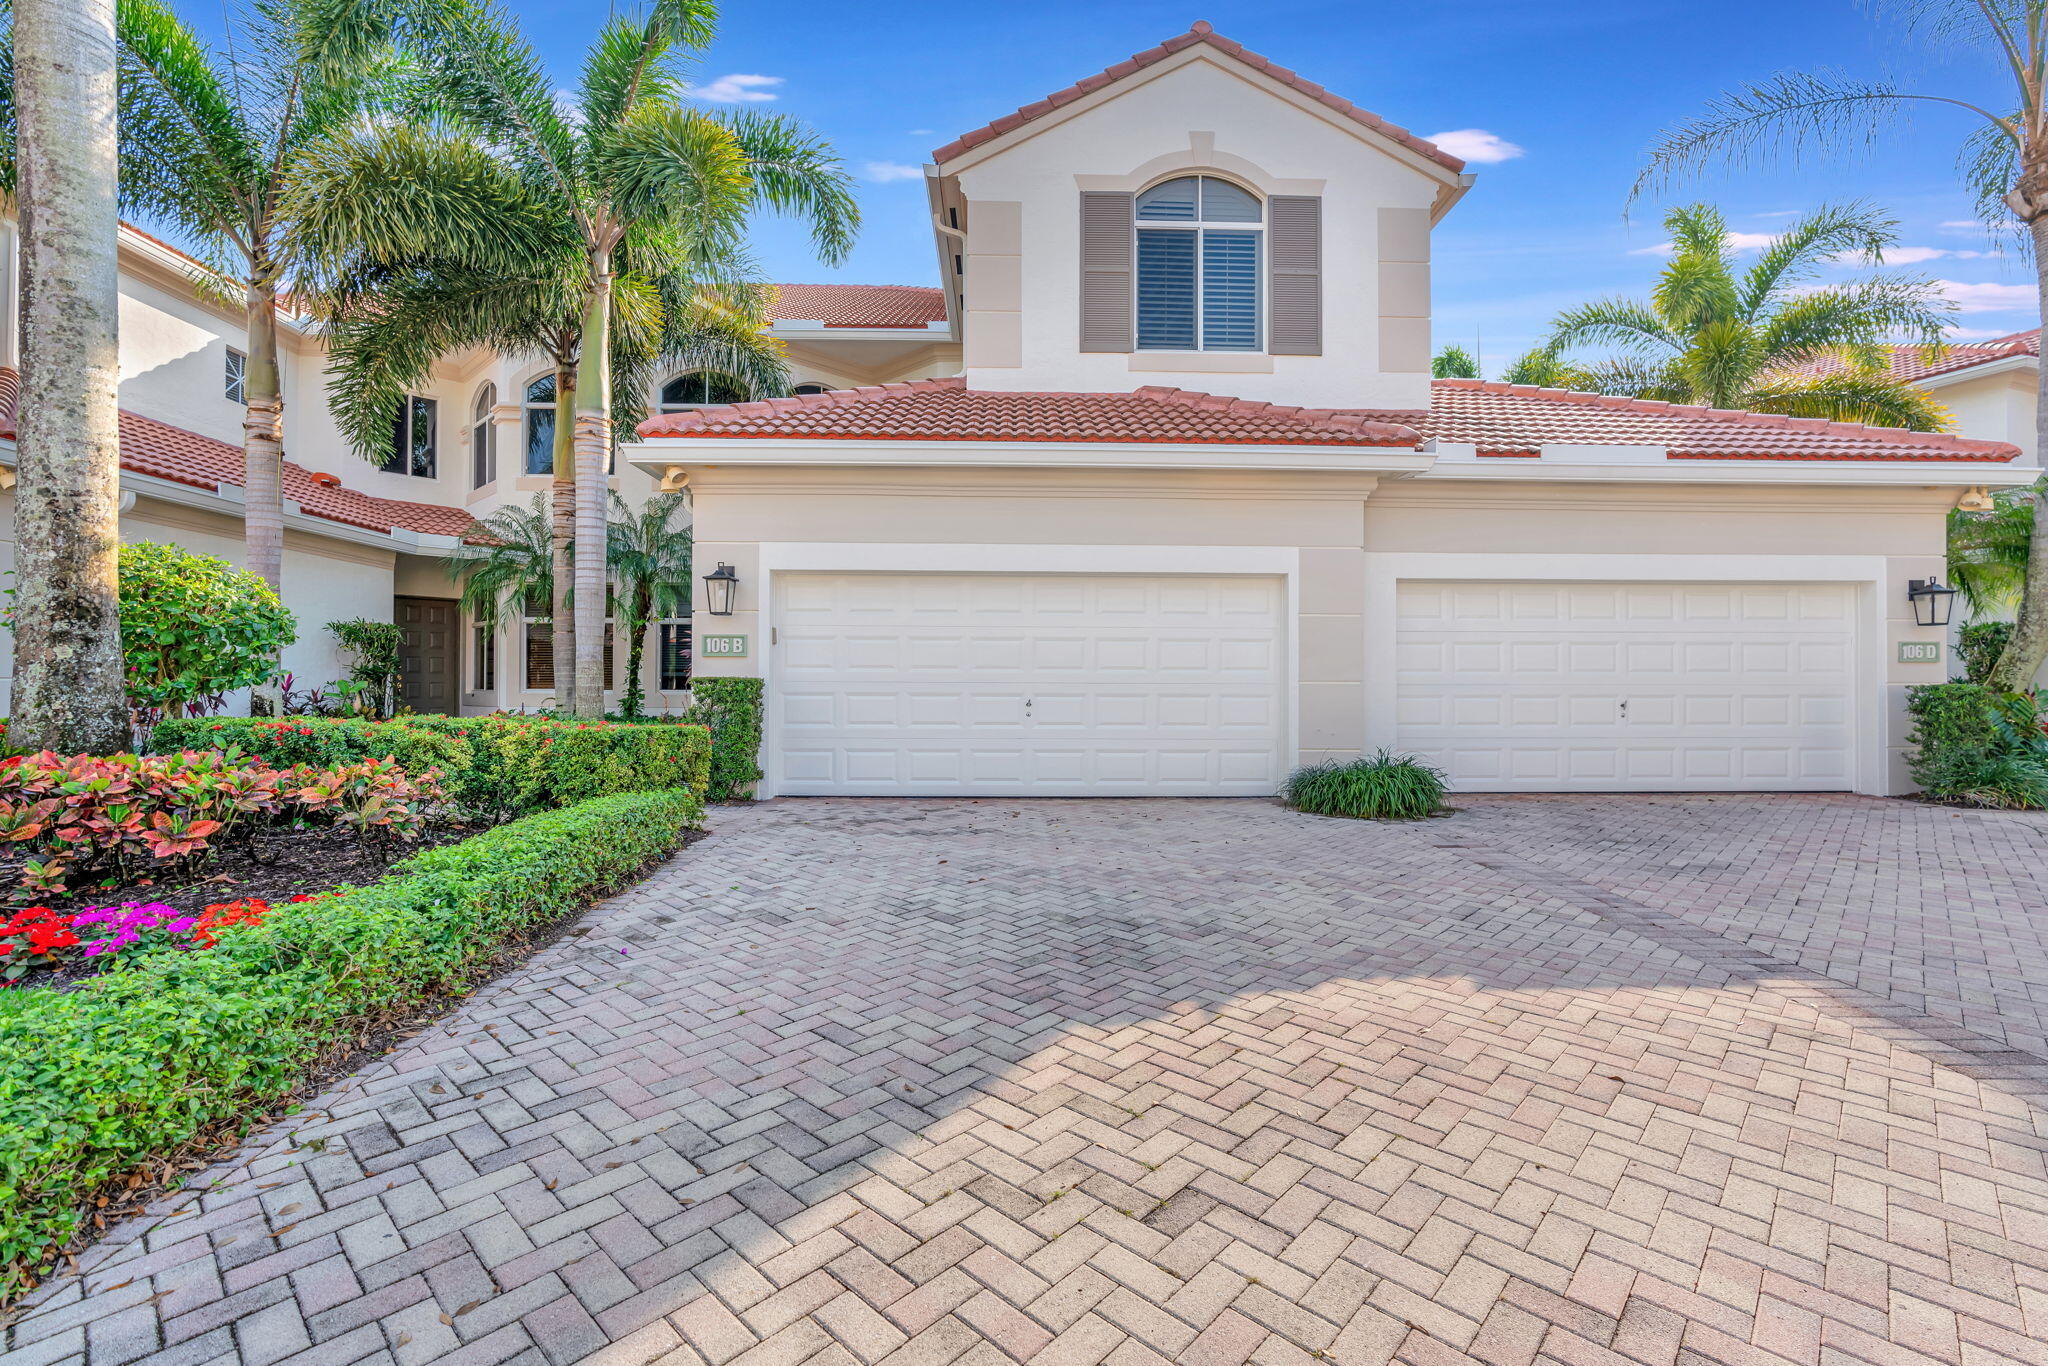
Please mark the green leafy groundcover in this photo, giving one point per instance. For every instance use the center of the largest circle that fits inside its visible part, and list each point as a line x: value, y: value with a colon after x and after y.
x: 494, y: 765
x: 136, y: 1062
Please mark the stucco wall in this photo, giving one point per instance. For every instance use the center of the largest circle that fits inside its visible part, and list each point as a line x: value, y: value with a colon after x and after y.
x: 1997, y: 407
x: 1194, y: 111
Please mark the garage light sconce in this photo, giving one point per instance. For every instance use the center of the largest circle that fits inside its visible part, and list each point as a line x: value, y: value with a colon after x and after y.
x: 1932, y: 601
x: 720, y: 585
x: 1976, y: 500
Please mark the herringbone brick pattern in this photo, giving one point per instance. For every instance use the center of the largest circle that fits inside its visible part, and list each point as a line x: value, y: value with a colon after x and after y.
x: 1209, y: 1082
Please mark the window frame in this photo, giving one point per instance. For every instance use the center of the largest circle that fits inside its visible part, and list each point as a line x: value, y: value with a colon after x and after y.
x: 235, y: 376
x: 689, y: 652
x: 529, y: 408
x: 483, y: 449
x: 403, y: 456
x: 663, y: 405
x: 1201, y: 227
x: 528, y: 621
x: 484, y: 658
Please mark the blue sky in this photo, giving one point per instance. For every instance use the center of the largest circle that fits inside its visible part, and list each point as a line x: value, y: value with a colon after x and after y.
x: 1579, y: 88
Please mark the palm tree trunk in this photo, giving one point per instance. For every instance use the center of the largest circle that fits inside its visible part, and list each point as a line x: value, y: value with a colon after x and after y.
x: 2023, y: 654
x: 68, y: 694
x: 263, y: 458
x: 561, y: 620
x: 637, y: 627
x: 593, y: 449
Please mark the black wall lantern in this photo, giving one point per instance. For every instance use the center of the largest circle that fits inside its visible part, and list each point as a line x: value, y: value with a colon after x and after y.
x: 719, y: 586
x: 1932, y: 601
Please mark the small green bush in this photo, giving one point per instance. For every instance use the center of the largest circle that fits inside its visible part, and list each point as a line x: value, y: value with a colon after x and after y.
x: 1975, y: 746
x: 194, y: 627
x: 139, y: 1060
x: 730, y: 708
x: 1980, y: 645
x: 492, y: 765
x: 1382, y: 787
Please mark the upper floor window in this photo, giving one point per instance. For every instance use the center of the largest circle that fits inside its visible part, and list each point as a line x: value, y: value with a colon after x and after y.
x: 1198, y: 266
x: 237, y: 377
x: 803, y: 389
x: 483, y: 456
x: 540, y: 425
x: 700, y: 387
x: 412, y: 439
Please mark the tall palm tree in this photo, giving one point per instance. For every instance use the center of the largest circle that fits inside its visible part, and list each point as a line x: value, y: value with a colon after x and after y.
x: 649, y: 560
x: 1766, y: 338
x: 2004, y: 163
x: 1453, y: 362
x: 60, y: 107
x: 621, y: 166
x: 206, y: 139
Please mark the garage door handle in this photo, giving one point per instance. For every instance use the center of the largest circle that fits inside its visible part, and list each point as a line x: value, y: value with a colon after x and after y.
x: 1624, y: 709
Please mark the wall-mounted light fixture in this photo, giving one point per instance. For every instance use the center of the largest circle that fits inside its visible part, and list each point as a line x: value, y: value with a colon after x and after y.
x: 719, y: 587
x: 1976, y: 500
x: 1932, y: 601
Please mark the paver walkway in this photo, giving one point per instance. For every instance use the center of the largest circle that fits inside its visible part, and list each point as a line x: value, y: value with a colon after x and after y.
x: 1583, y: 1081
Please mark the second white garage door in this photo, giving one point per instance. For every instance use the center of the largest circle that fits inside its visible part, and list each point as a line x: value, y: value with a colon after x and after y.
x: 1546, y: 687
x: 1028, y: 685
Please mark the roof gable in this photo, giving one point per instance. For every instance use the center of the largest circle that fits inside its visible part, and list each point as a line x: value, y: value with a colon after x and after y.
x: 1441, y: 163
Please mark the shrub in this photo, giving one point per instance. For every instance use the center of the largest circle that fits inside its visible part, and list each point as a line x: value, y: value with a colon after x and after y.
x: 1977, y: 747
x: 90, y: 820
x: 140, y: 1060
x: 1384, y: 786
x: 194, y: 627
x: 1980, y: 646
x: 372, y: 682
x: 498, y: 766
x: 730, y: 708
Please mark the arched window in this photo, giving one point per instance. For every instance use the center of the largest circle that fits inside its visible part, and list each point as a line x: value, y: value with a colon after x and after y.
x: 1199, y: 265
x: 803, y: 389
x: 483, y: 454
x: 700, y: 387
x: 540, y: 425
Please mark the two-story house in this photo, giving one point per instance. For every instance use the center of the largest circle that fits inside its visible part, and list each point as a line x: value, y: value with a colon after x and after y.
x: 1193, y: 511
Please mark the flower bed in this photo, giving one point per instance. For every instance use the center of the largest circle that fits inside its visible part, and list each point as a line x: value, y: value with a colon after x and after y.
x: 172, y: 1045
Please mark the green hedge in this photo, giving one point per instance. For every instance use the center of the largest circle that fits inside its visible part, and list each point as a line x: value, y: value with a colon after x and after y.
x: 499, y: 765
x: 1972, y: 745
x: 730, y: 708
x: 130, y: 1065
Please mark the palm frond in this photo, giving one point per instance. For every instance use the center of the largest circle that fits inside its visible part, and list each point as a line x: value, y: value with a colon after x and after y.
x: 796, y: 172
x: 1845, y: 396
x: 1833, y: 230
x: 517, y: 568
x: 1856, y: 315
x: 1988, y: 551
x: 1614, y: 322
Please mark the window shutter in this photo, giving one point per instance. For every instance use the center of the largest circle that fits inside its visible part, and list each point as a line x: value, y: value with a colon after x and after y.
x: 1295, y: 244
x: 1105, y: 271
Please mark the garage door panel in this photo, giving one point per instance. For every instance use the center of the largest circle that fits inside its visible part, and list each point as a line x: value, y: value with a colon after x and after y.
x: 1137, y: 684
x: 1627, y: 686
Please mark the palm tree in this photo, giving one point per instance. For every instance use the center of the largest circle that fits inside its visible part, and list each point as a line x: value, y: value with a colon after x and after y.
x: 2004, y: 162
x: 515, y: 566
x: 649, y: 560
x: 59, y: 95
x: 1987, y: 552
x: 206, y: 140
x: 623, y: 166
x: 1766, y: 339
x: 1453, y: 362
x: 1544, y: 366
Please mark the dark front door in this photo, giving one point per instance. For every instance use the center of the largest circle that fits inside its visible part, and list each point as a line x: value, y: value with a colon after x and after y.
x: 430, y: 653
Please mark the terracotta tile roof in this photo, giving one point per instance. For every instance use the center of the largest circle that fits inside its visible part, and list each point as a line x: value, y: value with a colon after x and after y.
x: 947, y: 410
x: 859, y: 305
x: 1201, y: 32
x: 1914, y: 363
x: 1501, y: 419
x: 1514, y: 419
x: 166, y: 452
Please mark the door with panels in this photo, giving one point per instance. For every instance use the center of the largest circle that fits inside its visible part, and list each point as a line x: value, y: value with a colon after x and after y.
x: 1028, y: 684
x: 1513, y: 686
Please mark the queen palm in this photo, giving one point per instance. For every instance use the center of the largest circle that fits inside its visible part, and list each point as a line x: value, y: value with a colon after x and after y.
x: 1765, y: 338
x: 649, y: 560
x: 2003, y: 160
x: 509, y: 170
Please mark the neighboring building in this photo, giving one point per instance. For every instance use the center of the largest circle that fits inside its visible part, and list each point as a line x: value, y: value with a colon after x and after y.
x: 1988, y: 387
x: 1080, y: 568
x: 370, y: 539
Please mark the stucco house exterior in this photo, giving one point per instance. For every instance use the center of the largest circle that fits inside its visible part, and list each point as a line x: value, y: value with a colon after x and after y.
x: 1193, y: 511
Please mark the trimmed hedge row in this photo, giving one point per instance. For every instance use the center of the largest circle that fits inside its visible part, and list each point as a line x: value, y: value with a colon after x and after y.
x: 1971, y: 745
x: 502, y: 765
x: 97, y: 1081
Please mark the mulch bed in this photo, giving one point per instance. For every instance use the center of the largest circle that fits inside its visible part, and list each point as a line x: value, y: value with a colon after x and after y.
x: 278, y: 867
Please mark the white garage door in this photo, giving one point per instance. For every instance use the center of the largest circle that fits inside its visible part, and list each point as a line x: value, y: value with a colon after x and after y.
x: 1028, y: 685
x: 1637, y: 687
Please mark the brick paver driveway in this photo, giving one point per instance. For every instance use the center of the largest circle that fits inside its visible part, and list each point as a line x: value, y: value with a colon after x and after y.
x: 1588, y: 1080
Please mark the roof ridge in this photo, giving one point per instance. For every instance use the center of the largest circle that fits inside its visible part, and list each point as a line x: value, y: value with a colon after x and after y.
x: 677, y: 424
x: 1201, y: 31
x: 1742, y: 416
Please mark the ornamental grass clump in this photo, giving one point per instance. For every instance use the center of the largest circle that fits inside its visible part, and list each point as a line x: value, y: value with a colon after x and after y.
x: 1384, y: 786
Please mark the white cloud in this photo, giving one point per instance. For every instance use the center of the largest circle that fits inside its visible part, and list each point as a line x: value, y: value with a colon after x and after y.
x: 1737, y: 241
x: 1476, y: 145
x: 920, y: 133
x: 737, y: 88
x: 1978, y: 225
x: 1988, y: 298
x: 882, y: 172
x: 1905, y: 256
